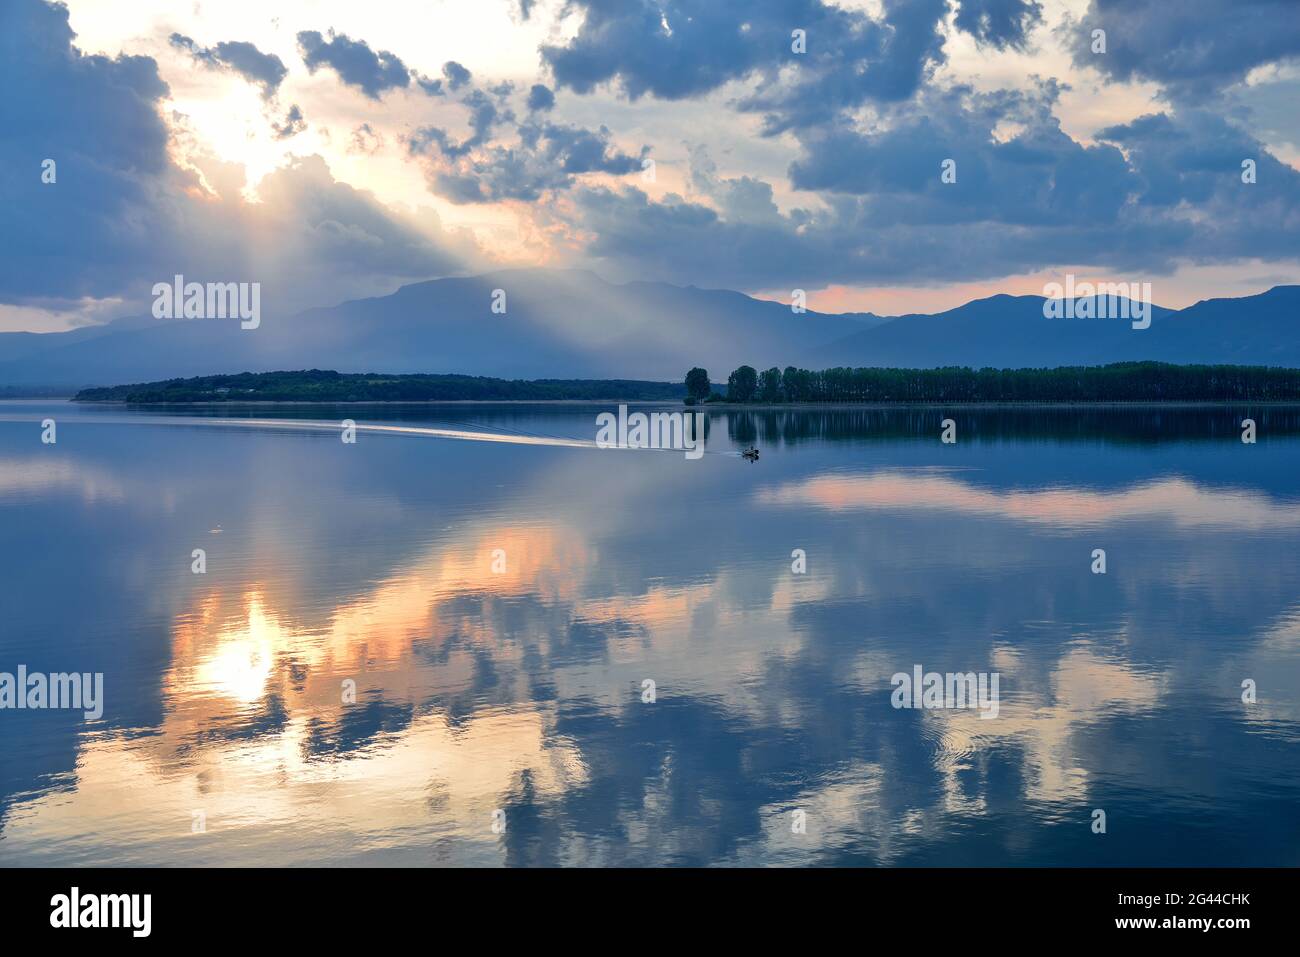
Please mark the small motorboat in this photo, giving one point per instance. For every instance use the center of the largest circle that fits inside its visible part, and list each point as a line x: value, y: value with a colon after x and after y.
x: 750, y: 453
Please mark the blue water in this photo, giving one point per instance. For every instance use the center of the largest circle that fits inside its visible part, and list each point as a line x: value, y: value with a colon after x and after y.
x: 500, y: 607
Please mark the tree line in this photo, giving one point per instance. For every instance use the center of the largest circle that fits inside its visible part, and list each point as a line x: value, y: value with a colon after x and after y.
x: 318, y: 385
x: 1117, y: 382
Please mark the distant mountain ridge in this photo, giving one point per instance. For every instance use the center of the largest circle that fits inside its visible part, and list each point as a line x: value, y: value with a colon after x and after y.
x: 572, y: 324
x: 1011, y: 331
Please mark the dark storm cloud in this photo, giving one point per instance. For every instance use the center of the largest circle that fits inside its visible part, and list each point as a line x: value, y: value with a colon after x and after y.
x: 687, y: 48
x: 265, y: 69
x: 355, y: 63
x: 1193, y: 47
x: 999, y: 23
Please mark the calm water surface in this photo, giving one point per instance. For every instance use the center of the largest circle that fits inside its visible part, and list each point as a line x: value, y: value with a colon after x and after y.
x: 521, y: 691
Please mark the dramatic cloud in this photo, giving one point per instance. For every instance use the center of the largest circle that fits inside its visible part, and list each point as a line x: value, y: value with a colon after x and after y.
x: 1163, y: 189
x: 1039, y: 176
x: 999, y: 23
x: 1193, y: 47
x: 355, y: 63
x: 120, y: 214
x: 876, y: 134
x: 861, y: 110
x: 1188, y: 170
x: 690, y: 47
x: 77, y: 236
x: 264, y: 69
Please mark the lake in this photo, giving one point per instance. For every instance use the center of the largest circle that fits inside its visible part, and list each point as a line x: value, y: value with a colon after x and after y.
x: 416, y: 650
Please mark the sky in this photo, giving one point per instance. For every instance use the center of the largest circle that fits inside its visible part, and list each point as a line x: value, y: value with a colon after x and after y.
x: 333, y: 150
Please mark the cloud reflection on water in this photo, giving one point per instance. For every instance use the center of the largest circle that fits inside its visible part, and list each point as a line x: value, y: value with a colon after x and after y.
x: 520, y: 690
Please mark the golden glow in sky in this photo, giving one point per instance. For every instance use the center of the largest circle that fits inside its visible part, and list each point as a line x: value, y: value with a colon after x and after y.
x: 709, y: 151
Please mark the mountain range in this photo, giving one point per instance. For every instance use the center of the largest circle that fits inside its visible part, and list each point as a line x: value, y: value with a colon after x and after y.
x: 573, y: 324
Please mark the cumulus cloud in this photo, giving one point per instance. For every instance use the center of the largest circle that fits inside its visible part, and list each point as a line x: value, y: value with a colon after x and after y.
x: 869, y: 119
x: 484, y: 115
x: 999, y: 23
x: 574, y: 150
x: 875, y: 130
x: 355, y: 63
x: 1194, y: 47
x: 1187, y: 170
x: 457, y: 76
x: 1150, y: 194
x: 543, y: 156
x: 428, y: 84
x: 546, y: 157
x: 1039, y: 176
x: 264, y: 69
x: 691, y: 47
x: 540, y: 99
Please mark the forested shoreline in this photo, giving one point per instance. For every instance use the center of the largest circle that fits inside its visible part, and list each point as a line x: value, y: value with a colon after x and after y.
x: 316, y: 385
x: 1118, y: 382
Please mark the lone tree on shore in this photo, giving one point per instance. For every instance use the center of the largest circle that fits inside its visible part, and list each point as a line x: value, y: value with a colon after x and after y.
x: 741, y: 384
x: 698, y: 386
